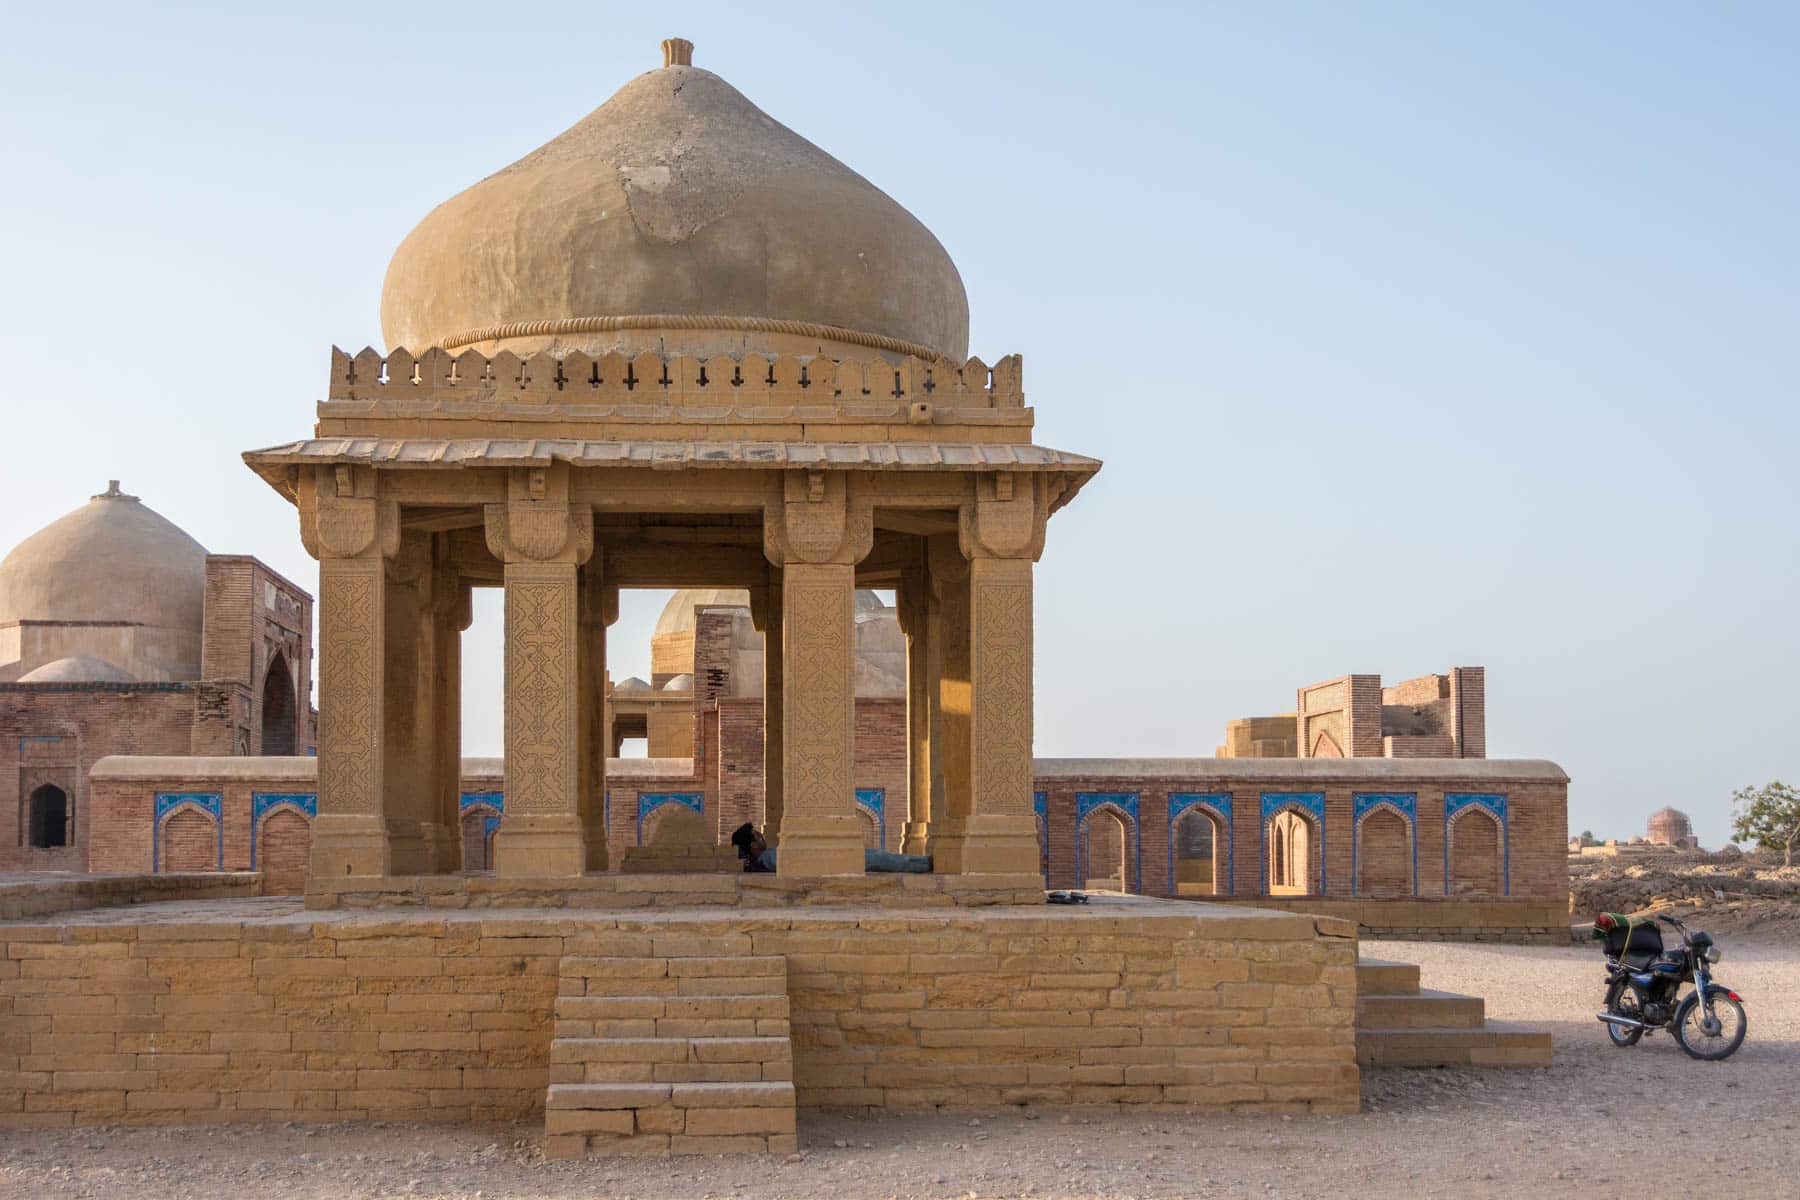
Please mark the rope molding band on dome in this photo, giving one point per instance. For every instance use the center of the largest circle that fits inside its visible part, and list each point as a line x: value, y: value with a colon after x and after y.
x: 836, y: 333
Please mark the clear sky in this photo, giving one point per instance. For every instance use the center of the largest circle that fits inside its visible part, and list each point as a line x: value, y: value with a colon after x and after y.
x: 1412, y: 335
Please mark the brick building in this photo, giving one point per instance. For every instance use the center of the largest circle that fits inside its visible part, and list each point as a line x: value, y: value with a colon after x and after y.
x: 1354, y: 716
x: 121, y: 635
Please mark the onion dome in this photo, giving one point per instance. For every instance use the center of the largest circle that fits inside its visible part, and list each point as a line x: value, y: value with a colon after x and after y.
x: 677, y: 216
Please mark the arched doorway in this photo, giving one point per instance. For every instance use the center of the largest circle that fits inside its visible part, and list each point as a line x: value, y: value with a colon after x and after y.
x: 47, y: 817
x: 1107, y: 842
x: 1292, y: 838
x: 278, y: 708
x: 1199, y: 858
x: 479, y: 821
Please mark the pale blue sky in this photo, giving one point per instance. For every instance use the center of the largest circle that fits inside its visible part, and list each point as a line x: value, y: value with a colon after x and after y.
x: 1412, y: 335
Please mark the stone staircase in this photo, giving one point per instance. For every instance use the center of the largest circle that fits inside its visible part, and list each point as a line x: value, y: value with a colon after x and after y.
x: 1400, y: 1024
x: 671, y: 1056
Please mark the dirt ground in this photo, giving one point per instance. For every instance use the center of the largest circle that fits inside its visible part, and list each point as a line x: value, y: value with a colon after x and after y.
x: 1722, y: 1127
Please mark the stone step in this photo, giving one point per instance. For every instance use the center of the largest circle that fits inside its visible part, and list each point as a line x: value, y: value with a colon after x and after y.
x: 691, y: 1118
x: 1375, y: 976
x: 1496, y: 1044
x: 690, y: 1049
x: 671, y: 1055
x: 1424, y: 1009
x: 763, y: 975
x: 671, y: 1016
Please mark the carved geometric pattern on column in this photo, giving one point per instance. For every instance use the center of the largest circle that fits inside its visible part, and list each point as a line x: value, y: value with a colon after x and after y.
x: 818, y: 690
x: 540, y: 726
x: 1003, y: 712
x: 349, y: 675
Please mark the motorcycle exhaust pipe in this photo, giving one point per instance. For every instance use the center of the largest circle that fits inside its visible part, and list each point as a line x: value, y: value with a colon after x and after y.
x: 1615, y: 1019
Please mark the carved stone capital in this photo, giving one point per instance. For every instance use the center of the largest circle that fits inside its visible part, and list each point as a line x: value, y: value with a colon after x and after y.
x: 411, y: 563
x: 1007, y: 517
x: 536, y: 522
x: 342, y: 517
x: 817, y: 517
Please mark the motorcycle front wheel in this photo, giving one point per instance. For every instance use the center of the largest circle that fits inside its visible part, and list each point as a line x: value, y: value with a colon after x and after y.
x: 1623, y: 1002
x: 1710, y: 1038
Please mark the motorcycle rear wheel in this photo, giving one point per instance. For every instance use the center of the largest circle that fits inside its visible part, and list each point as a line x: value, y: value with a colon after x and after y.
x: 1709, y: 1046
x: 1623, y: 1002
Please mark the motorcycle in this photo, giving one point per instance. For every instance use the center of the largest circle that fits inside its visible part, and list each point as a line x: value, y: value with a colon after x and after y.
x: 1643, y: 985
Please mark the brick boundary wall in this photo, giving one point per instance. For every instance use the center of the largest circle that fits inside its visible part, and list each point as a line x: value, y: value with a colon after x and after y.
x: 1529, y: 862
x: 448, y: 1018
x: 1531, y: 905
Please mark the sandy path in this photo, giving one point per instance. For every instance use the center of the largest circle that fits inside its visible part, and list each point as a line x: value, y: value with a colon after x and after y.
x: 1546, y: 1133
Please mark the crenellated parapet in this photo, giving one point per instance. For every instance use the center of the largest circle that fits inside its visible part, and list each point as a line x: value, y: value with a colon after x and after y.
x: 909, y: 387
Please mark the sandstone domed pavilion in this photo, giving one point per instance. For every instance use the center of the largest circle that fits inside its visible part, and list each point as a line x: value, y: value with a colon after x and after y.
x: 677, y: 346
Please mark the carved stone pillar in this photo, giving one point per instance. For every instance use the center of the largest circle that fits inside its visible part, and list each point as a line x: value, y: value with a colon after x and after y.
x: 351, y: 533
x: 765, y: 612
x: 542, y: 540
x: 921, y: 707
x: 1001, y: 535
x: 599, y: 608
x: 450, y: 616
x: 816, y: 532
x: 947, y: 624
x: 409, y: 700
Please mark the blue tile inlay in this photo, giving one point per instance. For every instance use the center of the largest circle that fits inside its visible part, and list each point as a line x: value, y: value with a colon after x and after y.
x: 168, y: 802
x: 262, y: 803
x: 494, y: 800
x: 649, y: 802
x: 209, y: 803
x: 874, y: 800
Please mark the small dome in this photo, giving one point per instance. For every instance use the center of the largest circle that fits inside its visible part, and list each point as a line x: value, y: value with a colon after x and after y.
x: 631, y: 683
x: 681, y: 683
x: 677, y: 198
x: 114, y: 559
x: 678, y: 613
x: 83, y: 668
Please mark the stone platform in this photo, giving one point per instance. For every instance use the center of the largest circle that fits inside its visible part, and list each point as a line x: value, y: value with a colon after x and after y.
x: 262, y: 1010
x: 686, y: 890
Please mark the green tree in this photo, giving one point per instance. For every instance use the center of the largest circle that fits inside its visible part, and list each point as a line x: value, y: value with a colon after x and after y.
x: 1769, y: 816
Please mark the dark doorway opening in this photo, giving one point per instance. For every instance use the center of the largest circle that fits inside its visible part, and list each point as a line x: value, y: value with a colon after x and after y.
x: 48, y: 821
x: 278, y: 708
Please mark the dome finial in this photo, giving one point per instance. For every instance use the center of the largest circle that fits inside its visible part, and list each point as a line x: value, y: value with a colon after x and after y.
x: 677, y: 52
x: 112, y: 492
